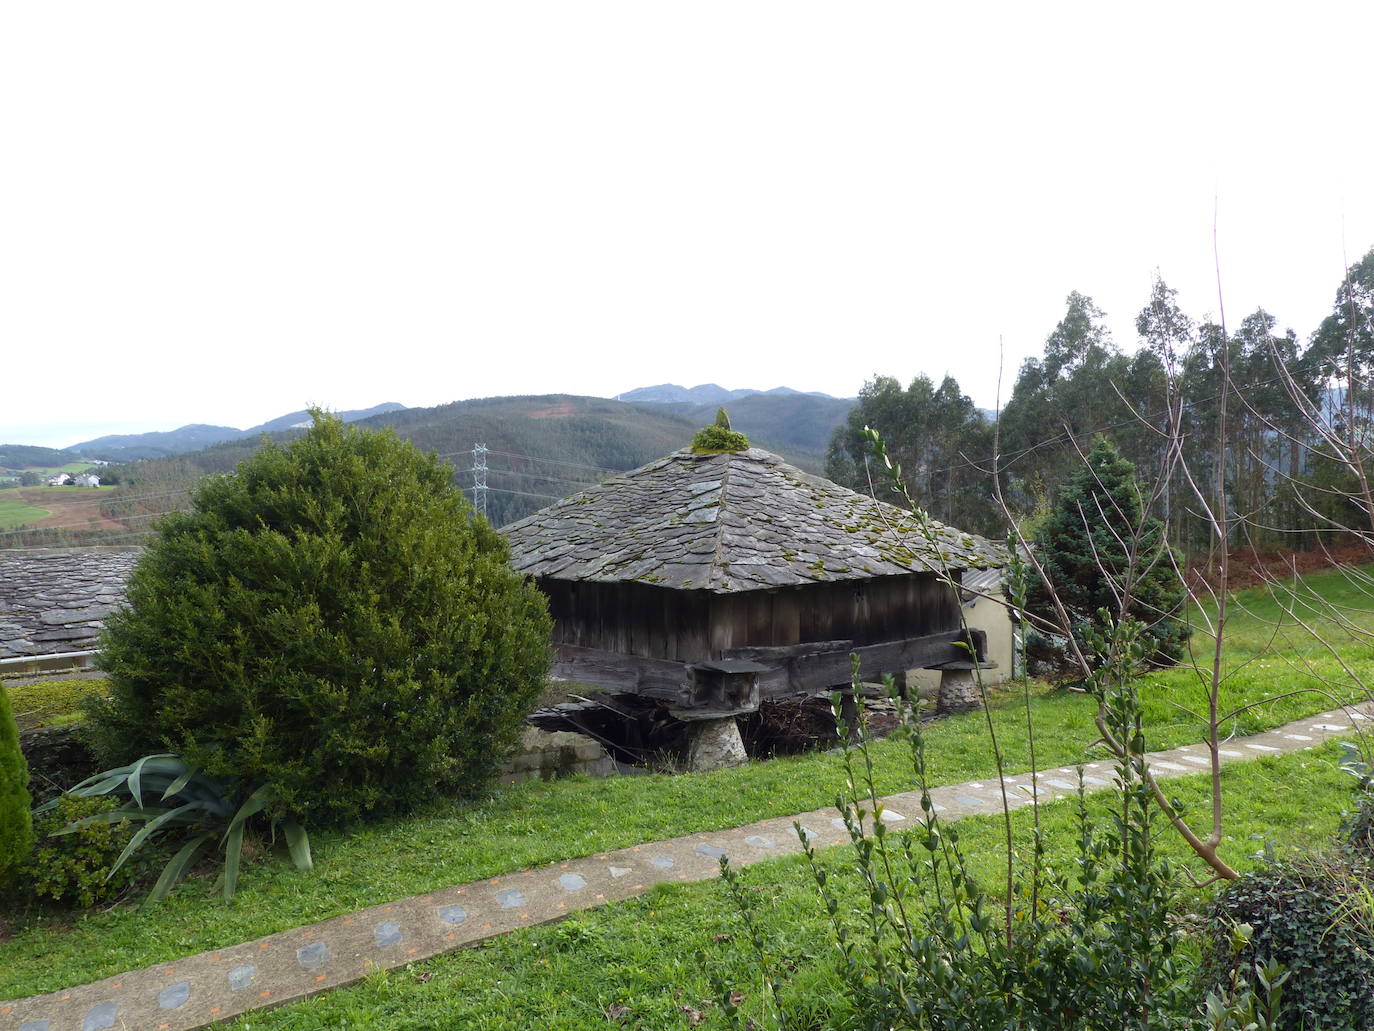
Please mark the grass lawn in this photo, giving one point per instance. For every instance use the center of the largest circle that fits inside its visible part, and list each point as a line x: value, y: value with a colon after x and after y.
x: 50, y: 703
x: 538, y: 823
x: 638, y: 960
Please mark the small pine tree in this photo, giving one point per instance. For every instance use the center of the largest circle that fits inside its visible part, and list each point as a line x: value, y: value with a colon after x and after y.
x: 331, y: 618
x: 1084, y: 547
x: 16, y: 822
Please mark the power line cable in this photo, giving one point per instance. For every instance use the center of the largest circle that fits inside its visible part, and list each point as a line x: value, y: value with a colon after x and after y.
x: 527, y: 494
x: 554, y: 461
x: 545, y: 461
x: 111, y: 498
x: 540, y: 476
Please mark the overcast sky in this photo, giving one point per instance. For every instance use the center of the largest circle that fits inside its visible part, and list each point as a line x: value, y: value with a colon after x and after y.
x: 222, y: 212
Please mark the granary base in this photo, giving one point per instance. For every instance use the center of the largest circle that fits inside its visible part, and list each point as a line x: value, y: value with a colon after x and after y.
x: 714, y: 744
x: 958, y: 688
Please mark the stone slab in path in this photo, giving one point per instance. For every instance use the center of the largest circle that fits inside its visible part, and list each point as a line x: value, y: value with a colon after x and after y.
x: 195, y: 991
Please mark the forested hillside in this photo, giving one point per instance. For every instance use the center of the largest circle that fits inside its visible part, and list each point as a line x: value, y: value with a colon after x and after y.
x: 26, y: 456
x: 539, y: 448
x: 796, y: 425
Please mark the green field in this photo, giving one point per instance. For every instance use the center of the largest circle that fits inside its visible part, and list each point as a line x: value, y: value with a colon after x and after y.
x: 14, y: 513
x: 21, y: 506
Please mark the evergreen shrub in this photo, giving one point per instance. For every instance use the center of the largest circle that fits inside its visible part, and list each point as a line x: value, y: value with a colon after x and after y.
x: 16, y: 823
x: 1314, y: 917
x: 1081, y: 546
x: 333, y: 619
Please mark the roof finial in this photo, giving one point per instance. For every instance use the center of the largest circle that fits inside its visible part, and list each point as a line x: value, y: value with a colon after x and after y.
x: 719, y: 437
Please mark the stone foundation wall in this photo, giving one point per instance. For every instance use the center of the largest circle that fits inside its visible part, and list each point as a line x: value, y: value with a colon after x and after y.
x: 57, y: 758
x: 545, y: 756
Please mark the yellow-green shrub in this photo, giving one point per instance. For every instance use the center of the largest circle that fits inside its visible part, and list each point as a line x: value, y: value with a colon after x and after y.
x: 16, y: 824
x: 74, y: 869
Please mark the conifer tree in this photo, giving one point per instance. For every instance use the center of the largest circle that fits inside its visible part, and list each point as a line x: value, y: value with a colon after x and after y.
x: 1102, y: 551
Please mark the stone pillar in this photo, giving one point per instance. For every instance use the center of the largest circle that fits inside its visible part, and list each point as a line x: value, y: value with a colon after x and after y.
x: 958, y: 689
x: 714, y: 744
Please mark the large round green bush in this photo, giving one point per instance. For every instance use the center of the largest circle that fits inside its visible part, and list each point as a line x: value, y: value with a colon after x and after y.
x: 331, y: 618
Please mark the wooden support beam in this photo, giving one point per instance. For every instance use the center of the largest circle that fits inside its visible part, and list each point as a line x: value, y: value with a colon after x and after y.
x: 794, y: 669
x: 633, y: 674
x: 789, y: 651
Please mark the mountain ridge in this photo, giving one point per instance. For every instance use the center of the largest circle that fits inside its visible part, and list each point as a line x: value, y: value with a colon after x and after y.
x: 702, y: 394
x: 128, y: 447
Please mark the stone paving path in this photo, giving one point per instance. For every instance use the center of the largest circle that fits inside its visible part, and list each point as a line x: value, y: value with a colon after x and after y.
x: 196, y: 991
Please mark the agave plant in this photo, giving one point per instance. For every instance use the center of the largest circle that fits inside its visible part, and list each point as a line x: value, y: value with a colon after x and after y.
x: 168, y: 795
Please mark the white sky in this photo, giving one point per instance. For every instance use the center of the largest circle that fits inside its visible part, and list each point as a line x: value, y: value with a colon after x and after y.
x: 222, y: 212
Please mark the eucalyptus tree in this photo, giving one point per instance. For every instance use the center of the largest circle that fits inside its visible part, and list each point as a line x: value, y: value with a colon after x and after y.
x: 937, y: 434
x: 1059, y: 401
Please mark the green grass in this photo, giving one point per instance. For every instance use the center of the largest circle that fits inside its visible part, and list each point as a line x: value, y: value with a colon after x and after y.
x: 538, y: 823
x: 639, y: 957
x: 50, y: 703
x: 1269, y: 653
x: 18, y: 513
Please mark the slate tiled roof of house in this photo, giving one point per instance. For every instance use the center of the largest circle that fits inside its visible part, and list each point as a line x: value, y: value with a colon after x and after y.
x: 732, y: 522
x: 982, y: 583
x: 57, y: 600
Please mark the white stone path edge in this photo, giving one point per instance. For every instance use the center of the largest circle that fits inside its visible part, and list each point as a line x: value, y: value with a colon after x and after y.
x: 199, y: 990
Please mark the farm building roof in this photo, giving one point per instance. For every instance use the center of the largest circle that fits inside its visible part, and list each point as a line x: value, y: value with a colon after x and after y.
x: 56, y: 600
x: 733, y: 521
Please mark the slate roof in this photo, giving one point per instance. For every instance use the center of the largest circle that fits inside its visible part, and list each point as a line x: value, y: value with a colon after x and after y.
x: 57, y: 600
x: 732, y: 522
x: 983, y: 583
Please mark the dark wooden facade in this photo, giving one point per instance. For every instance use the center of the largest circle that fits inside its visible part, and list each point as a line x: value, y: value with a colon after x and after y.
x: 696, y: 626
x: 654, y: 641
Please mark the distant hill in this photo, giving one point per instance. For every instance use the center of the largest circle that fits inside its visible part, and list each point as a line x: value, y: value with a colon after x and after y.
x: 128, y: 447
x: 541, y: 448
x: 795, y: 424
x: 117, y: 447
x: 703, y: 394
x: 26, y: 456
x: 296, y: 420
